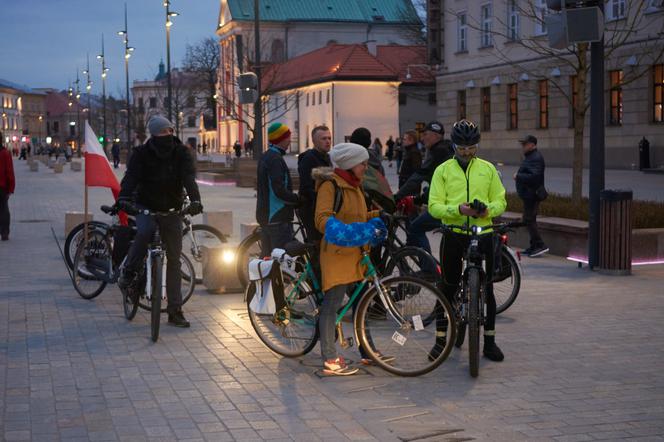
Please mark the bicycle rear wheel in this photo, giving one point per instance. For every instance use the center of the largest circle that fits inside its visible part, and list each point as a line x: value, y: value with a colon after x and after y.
x: 413, y: 261
x: 203, y: 236
x: 393, y: 332
x: 249, y: 248
x: 155, y: 301
x: 130, y: 302
x: 91, y: 265
x: 506, y: 282
x: 76, y: 237
x: 474, y: 321
x: 294, y: 331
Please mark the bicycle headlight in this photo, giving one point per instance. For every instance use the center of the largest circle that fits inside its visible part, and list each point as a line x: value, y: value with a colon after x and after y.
x: 228, y: 256
x: 477, y: 229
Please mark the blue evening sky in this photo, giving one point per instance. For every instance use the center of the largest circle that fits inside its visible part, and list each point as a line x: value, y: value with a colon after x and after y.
x: 43, y: 42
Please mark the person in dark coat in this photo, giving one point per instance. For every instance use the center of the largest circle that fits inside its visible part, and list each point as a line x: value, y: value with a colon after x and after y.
x: 390, y: 150
x: 529, y: 178
x: 362, y: 136
x: 7, y: 186
x: 275, y: 200
x: 237, y: 147
x: 318, y: 156
x: 156, y: 175
x: 115, y: 151
x: 411, y: 157
x: 438, y: 151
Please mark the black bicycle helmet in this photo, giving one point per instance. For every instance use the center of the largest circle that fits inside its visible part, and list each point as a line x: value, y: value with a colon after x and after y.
x: 465, y: 133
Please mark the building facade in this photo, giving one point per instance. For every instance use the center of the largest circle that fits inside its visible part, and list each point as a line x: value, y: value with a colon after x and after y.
x: 497, y: 69
x: 291, y: 28
x: 22, y: 114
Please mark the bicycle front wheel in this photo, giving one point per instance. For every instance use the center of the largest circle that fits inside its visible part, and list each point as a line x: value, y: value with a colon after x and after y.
x: 91, y: 265
x: 187, y: 284
x: 200, y: 235
x: 249, y: 248
x: 506, y: 281
x: 390, y: 326
x: 293, y: 331
x: 155, y: 301
x: 474, y: 321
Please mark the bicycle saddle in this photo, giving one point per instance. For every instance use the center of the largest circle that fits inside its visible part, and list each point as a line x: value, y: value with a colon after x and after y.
x: 297, y: 248
x: 111, y: 210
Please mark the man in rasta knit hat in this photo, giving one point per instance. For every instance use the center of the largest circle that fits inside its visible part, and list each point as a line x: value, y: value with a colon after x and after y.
x: 275, y: 198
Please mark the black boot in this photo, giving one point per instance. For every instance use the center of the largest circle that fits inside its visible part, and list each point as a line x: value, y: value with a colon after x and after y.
x: 491, y: 350
x: 177, y: 319
x: 126, y: 278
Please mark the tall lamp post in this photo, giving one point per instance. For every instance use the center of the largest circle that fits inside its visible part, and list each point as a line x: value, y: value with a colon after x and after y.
x: 78, y: 113
x: 88, y: 88
x: 70, y: 103
x: 127, y: 54
x: 258, y: 106
x: 104, y: 70
x: 169, y: 23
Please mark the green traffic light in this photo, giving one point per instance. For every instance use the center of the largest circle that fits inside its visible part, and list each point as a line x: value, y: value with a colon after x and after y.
x: 101, y: 139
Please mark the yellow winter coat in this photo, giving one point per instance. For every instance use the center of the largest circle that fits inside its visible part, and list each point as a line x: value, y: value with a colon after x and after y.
x: 339, y: 265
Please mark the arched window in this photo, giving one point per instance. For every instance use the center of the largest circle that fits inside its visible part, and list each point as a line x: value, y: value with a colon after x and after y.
x: 277, y: 50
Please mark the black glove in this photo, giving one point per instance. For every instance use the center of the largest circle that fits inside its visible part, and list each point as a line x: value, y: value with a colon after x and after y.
x: 195, y: 208
x: 127, y: 206
x: 478, y: 206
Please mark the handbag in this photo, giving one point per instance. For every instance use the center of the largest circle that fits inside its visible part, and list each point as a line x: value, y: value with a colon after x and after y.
x: 265, y: 275
x: 541, y: 193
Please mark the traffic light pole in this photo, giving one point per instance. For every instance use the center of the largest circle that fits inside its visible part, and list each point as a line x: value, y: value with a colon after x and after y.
x: 258, y: 108
x: 596, y: 151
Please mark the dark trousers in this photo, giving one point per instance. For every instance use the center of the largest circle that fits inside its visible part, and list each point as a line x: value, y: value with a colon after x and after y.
x: 4, y: 213
x: 307, y: 217
x: 418, y: 228
x: 170, y: 229
x: 275, y: 236
x: 530, y: 218
x: 116, y: 161
x: 451, y: 256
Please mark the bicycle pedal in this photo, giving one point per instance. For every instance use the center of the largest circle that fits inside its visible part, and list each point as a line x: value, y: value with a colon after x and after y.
x: 347, y: 343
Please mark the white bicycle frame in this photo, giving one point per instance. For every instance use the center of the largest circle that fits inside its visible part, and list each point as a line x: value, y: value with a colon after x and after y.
x: 148, y: 279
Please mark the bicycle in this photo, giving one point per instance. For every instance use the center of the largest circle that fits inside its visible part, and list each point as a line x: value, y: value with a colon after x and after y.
x: 194, y: 237
x: 388, y: 320
x: 469, y: 299
x: 95, y: 266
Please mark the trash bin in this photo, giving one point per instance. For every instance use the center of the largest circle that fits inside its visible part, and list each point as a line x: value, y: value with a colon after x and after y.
x: 644, y: 154
x: 615, y: 233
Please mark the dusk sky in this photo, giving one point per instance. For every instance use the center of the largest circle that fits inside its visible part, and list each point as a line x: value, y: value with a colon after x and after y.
x: 44, y: 41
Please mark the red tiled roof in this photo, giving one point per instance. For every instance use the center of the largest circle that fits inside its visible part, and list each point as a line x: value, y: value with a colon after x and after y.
x: 58, y: 104
x: 333, y: 62
x: 398, y: 58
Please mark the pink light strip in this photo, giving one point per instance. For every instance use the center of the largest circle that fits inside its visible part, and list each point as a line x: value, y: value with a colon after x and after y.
x: 216, y: 183
x: 584, y: 260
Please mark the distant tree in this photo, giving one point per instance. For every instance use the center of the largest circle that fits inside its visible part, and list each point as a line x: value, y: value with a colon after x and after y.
x: 202, y: 61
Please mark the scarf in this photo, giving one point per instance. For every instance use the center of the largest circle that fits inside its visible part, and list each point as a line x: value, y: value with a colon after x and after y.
x: 348, y: 177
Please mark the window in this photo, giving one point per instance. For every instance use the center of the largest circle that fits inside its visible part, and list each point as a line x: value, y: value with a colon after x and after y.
x: 615, y: 9
x: 320, y: 97
x: 153, y: 102
x: 658, y: 93
x: 403, y: 98
x: 462, y: 33
x: 574, y: 90
x: 513, y: 109
x: 307, y: 98
x: 486, y: 109
x: 432, y: 98
x: 461, y: 105
x: 540, y: 17
x: 654, y: 5
x: 616, y: 97
x: 543, y: 104
x: 56, y: 127
x: 328, y: 96
x: 486, y: 39
x: 191, y: 121
x: 313, y: 98
x: 72, y: 131
x: 277, y: 50
x: 191, y: 101
x: 165, y: 102
x: 512, y: 20
x: 140, y: 104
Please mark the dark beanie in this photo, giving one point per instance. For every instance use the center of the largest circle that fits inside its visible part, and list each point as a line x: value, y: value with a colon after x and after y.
x: 361, y: 136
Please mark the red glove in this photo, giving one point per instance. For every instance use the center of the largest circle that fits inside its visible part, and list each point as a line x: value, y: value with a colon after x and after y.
x: 407, y: 205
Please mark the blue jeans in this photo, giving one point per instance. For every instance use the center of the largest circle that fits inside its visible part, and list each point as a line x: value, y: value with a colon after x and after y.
x: 332, y: 301
x: 418, y: 228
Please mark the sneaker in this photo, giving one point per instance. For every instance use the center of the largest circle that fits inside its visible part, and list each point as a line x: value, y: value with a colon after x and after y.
x: 177, y: 320
x: 126, y: 278
x: 538, y: 251
x: 527, y: 251
x: 369, y: 361
x: 493, y: 353
x: 338, y: 367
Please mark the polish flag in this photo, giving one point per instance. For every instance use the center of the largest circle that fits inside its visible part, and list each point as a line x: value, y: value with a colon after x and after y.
x: 98, y: 171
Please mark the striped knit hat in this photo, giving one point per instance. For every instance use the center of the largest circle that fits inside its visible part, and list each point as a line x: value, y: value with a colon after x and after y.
x: 278, y: 132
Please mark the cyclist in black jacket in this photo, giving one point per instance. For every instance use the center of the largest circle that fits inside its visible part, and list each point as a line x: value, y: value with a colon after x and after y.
x: 438, y: 151
x: 157, y: 173
x: 316, y: 157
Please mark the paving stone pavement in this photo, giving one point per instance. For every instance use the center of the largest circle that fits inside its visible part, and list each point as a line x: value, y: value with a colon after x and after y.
x: 583, y: 360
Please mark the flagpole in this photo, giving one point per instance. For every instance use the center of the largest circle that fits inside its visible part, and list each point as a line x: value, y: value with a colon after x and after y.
x: 85, y: 191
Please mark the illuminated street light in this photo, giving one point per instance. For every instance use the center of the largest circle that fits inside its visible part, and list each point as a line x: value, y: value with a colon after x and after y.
x: 127, y: 53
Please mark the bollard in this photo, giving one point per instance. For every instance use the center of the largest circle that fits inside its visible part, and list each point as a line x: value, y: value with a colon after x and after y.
x: 615, y: 232
x: 34, y: 166
x: 76, y: 166
x: 220, y: 220
x: 247, y: 229
x: 73, y: 219
x: 57, y: 168
x: 219, y: 273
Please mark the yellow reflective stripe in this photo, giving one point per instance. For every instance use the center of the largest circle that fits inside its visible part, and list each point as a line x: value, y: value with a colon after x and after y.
x: 441, y: 333
x: 489, y: 333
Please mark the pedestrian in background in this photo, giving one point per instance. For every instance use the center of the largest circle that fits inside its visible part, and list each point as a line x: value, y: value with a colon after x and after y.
x: 377, y: 148
x: 7, y: 185
x: 398, y: 153
x: 530, y: 188
x: 390, y: 150
x: 412, y: 158
x: 115, y: 151
x: 237, y: 148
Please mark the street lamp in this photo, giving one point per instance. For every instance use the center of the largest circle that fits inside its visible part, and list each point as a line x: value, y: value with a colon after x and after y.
x: 78, y: 114
x: 88, y: 88
x: 420, y: 65
x: 169, y: 23
x: 41, y: 118
x: 128, y: 51
x: 104, y: 70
